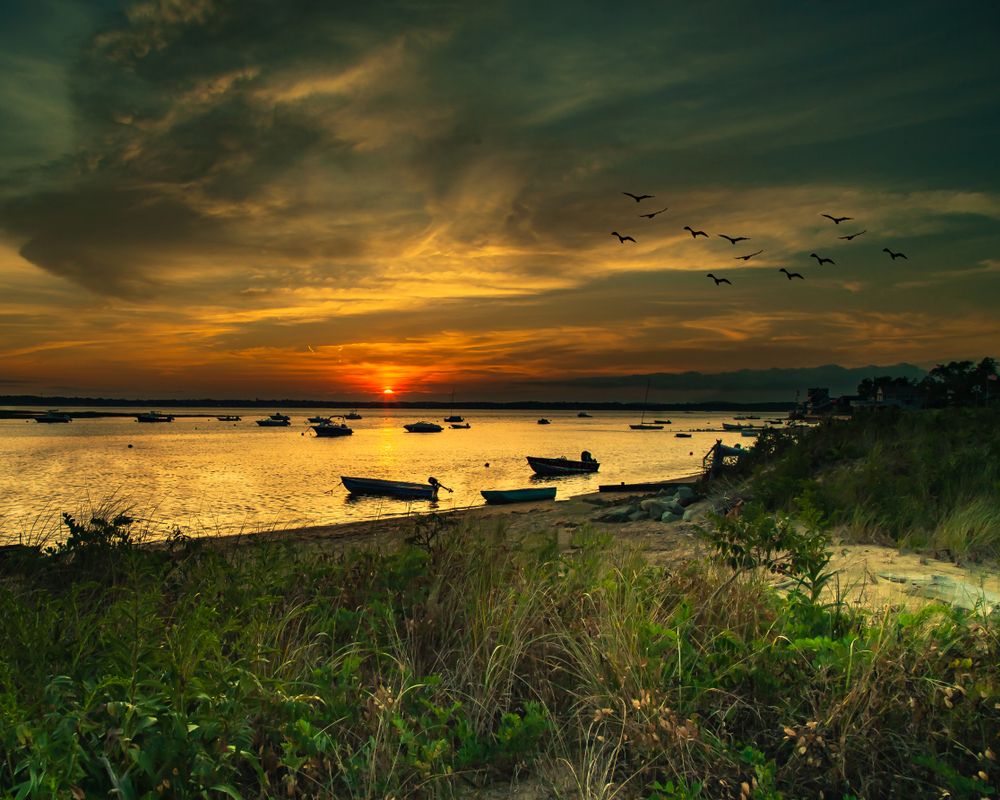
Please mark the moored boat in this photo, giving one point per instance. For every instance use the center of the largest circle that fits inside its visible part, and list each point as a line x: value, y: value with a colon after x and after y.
x: 504, y: 496
x: 318, y: 420
x: 682, y: 435
x: 460, y: 426
x: 153, y: 416
x: 454, y: 418
x: 403, y: 490
x: 563, y: 466
x: 271, y: 422
x: 278, y: 417
x: 423, y: 427
x: 331, y: 429
x: 663, y: 422
x: 584, y: 414
x: 750, y: 432
x: 353, y: 415
x: 729, y: 426
x: 645, y: 426
x: 229, y: 418
x: 53, y: 416
x: 544, y: 421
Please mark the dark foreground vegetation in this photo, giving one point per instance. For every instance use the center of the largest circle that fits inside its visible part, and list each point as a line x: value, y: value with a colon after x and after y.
x: 468, y: 659
x: 929, y: 480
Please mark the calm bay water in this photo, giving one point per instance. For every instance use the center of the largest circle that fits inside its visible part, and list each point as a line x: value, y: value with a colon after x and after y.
x: 211, y: 477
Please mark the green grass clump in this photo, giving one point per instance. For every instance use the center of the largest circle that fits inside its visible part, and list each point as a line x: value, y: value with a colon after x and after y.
x: 928, y: 479
x: 468, y: 658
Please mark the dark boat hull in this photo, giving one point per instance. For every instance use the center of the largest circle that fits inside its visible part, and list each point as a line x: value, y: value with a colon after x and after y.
x: 332, y: 431
x: 561, y: 466
x: 399, y: 489
x: 503, y: 497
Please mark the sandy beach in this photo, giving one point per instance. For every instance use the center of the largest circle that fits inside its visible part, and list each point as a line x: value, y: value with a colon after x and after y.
x: 870, y: 574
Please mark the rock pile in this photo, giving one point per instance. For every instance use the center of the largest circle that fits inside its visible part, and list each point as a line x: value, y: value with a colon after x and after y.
x: 669, y: 505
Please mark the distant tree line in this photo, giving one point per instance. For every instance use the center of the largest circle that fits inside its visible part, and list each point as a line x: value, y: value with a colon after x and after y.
x: 957, y: 383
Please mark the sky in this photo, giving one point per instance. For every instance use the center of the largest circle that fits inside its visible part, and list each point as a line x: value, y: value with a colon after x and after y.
x: 225, y: 198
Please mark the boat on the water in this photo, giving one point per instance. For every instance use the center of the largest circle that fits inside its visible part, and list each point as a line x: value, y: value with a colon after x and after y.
x: 53, y: 416
x: 503, y: 496
x: 154, y: 416
x: 277, y: 415
x: 643, y: 425
x: 563, y: 466
x: 318, y: 420
x: 229, y: 418
x: 729, y: 426
x: 454, y: 418
x: 353, y: 415
x: 271, y: 422
x: 331, y: 429
x: 584, y: 414
x: 400, y: 489
x: 460, y: 426
x: 663, y: 422
x: 682, y: 435
x: 544, y: 421
x: 423, y: 427
x: 750, y: 432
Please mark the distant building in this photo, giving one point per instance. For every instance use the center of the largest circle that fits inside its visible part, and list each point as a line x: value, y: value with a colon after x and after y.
x: 818, y: 401
x: 900, y: 397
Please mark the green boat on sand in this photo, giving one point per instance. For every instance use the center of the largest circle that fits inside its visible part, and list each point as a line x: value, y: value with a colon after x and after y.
x: 502, y: 496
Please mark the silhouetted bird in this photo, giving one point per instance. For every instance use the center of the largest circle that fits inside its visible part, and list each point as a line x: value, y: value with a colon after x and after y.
x: 836, y: 220
x: 650, y: 216
x: 822, y: 261
x: 638, y: 197
x: 747, y: 258
x: 622, y: 239
x: 790, y: 275
x: 695, y: 234
x: 893, y: 255
x: 734, y: 239
x: 853, y: 235
x: 719, y: 280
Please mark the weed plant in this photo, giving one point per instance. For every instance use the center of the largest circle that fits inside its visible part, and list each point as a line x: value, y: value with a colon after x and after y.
x: 923, y: 479
x: 469, y: 658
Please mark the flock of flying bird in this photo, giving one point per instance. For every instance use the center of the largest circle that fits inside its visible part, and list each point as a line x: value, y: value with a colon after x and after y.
x: 820, y: 261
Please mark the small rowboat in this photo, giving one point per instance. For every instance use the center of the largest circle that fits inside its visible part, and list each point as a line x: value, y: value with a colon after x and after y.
x: 460, y: 426
x: 503, y: 496
x: 400, y: 489
x: 561, y: 466
x: 682, y: 435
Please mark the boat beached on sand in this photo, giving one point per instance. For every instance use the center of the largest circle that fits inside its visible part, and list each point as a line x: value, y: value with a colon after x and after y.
x: 402, y: 490
x: 563, y: 466
x: 504, y: 496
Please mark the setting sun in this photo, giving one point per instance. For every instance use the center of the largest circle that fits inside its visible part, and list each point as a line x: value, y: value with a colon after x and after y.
x: 387, y: 391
